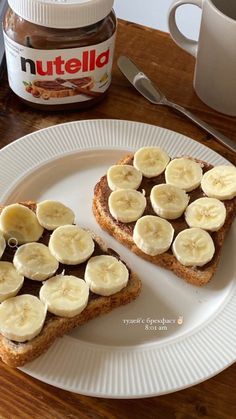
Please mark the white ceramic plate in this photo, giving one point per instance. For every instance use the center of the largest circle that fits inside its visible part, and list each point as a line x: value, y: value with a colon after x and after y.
x: 121, y: 354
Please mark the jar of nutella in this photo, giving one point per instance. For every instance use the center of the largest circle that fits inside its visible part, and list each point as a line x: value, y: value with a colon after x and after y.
x: 59, y: 52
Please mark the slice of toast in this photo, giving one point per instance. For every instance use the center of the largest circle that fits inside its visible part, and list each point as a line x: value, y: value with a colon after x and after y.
x: 17, y: 354
x: 54, y: 89
x: 123, y: 231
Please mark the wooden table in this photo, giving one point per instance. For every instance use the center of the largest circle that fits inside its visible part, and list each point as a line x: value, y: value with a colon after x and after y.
x: 172, y: 70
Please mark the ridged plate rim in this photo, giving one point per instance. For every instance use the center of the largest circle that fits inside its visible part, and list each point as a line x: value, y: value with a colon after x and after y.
x: 123, y: 372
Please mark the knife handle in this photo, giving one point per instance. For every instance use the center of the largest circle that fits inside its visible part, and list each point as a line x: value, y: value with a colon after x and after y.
x: 218, y: 135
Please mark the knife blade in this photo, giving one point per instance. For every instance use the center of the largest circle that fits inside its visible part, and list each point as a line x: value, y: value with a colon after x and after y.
x: 139, y: 80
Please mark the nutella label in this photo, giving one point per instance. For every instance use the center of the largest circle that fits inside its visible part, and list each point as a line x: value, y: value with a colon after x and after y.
x: 54, y: 77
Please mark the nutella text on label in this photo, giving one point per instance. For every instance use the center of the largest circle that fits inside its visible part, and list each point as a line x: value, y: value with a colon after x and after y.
x: 89, y: 61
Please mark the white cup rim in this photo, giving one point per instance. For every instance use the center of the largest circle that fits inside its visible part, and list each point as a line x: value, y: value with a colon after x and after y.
x: 221, y: 13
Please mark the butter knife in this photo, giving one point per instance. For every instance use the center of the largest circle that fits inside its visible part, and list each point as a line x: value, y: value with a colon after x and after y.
x: 144, y: 86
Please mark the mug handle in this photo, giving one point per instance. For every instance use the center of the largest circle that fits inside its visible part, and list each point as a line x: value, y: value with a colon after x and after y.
x: 185, y: 43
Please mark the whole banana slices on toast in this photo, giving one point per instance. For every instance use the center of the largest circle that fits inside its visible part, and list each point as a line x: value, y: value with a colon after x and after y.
x: 54, y: 275
x: 172, y: 212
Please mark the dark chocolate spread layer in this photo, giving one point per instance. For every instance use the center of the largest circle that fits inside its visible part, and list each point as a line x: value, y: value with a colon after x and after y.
x: 41, y: 37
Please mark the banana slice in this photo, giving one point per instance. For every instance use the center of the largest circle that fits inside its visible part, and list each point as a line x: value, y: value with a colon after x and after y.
x: 168, y: 201
x: 153, y: 235
x: 65, y: 296
x: 151, y: 161
x: 2, y: 244
x: 206, y: 213
x: 20, y: 223
x: 184, y: 173
x: 123, y: 177
x: 10, y: 281
x: 126, y: 205
x: 22, y: 317
x: 220, y: 182
x: 193, y: 247
x: 106, y: 275
x: 53, y: 214
x: 34, y: 261
x: 71, y: 245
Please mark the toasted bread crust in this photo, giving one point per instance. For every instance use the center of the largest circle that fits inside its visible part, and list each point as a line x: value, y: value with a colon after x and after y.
x: 18, y: 354
x: 166, y: 260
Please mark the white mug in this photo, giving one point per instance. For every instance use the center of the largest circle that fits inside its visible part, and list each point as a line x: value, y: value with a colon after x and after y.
x: 215, y: 52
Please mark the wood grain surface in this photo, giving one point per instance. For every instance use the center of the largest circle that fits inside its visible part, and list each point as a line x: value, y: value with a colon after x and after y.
x: 172, y: 70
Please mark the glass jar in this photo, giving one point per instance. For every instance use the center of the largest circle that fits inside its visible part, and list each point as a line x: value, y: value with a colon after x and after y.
x: 59, y: 52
